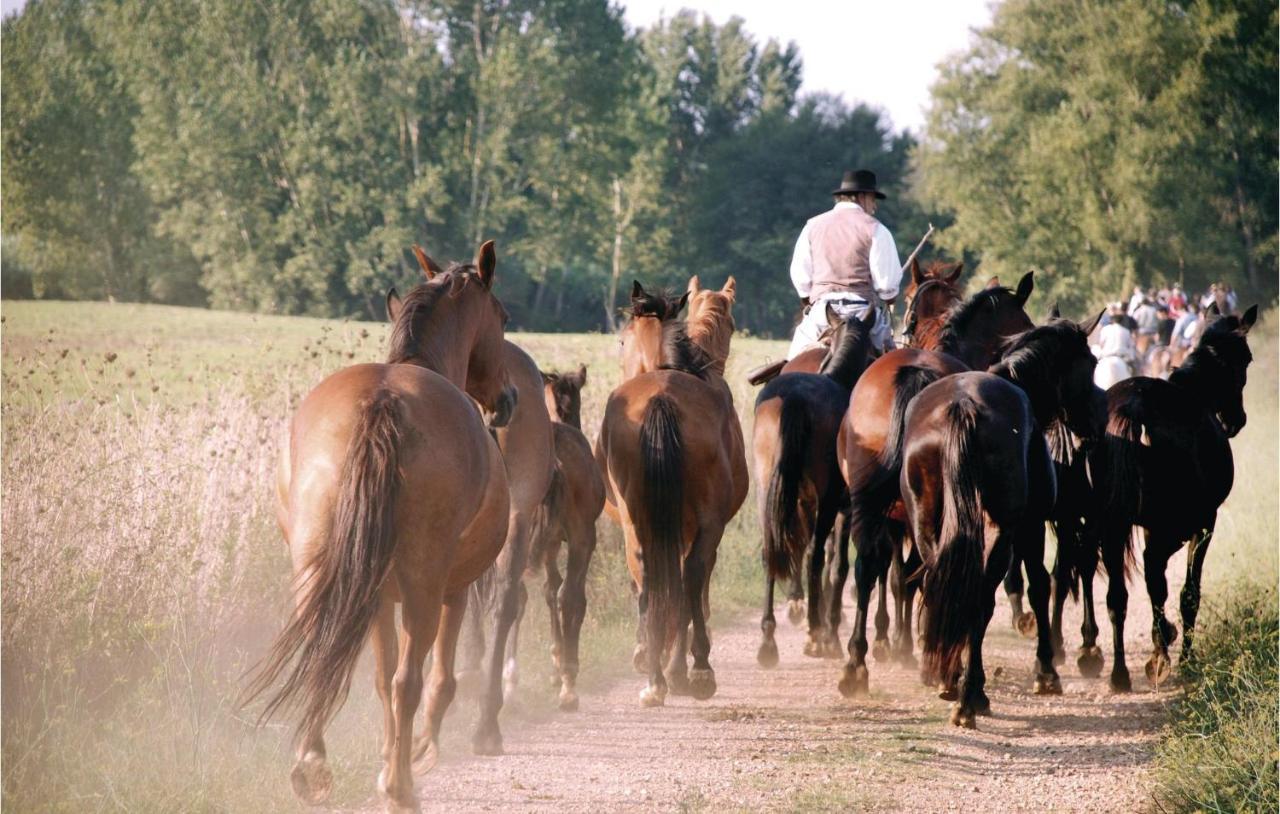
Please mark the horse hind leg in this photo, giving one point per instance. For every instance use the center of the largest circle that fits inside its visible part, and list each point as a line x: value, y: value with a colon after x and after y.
x: 697, y: 578
x: 420, y: 618
x: 444, y: 685
x: 511, y: 667
x: 1155, y: 558
x: 767, y: 654
x: 573, y: 610
x: 508, y: 577
x: 816, y: 644
x: 839, y: 574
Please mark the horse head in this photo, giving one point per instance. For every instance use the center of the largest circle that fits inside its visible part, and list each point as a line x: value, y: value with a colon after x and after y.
x: 563, y: 394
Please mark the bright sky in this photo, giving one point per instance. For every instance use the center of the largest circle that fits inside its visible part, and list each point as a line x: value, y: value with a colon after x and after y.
x: 883, y: 53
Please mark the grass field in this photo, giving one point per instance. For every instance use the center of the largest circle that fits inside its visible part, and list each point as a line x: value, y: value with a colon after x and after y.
x: 142, y: 571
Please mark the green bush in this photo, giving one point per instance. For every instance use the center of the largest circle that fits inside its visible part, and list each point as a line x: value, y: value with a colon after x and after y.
x: 1220, y: 753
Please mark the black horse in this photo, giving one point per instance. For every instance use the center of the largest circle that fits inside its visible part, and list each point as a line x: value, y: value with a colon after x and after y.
x: 797, y: 417
x: 1165, y: 464
x: 974, y: 452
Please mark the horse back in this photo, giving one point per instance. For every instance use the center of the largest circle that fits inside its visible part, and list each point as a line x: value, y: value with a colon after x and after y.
x: 584, y: 487
x: 526, y: 442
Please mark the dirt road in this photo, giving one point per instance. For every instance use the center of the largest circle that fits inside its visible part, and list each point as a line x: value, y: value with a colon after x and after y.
x: 784, y: 739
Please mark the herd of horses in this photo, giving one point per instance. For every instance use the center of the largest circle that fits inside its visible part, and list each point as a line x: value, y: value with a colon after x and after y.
x: 442, y: 476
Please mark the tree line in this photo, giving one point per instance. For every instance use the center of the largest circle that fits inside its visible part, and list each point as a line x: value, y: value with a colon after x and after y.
x: 281, y: 156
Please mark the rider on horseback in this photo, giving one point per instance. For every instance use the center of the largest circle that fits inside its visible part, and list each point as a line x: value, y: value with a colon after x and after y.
x: 847, y: 259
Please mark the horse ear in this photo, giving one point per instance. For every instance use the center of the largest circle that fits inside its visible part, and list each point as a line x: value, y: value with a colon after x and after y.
x: 1054, y: 313
x: 730, y: 288
x: 917, y: 276
x: 684, y: 300
x: 487, y: 263
x: 637, y: 290
x: 994, y: 282
x: 394, y: 305
x: 833, y: 319
x: 1212, y: 310
x: 547, y: 378
x: 1025, y: 286
x: 955, y: 274
x: 1088, y: 329
x: 429, y: 267
x: 1247, y: 321
x: 694, y: 285
x: 581, y: 377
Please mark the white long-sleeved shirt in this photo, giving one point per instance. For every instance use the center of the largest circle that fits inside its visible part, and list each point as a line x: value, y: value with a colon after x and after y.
x: 886, y: 270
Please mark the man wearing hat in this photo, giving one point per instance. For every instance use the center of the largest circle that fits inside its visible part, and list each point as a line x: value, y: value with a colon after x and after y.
x: 847, y: 259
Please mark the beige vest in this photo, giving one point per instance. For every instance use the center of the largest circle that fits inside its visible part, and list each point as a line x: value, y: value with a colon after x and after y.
x: 840, y: 246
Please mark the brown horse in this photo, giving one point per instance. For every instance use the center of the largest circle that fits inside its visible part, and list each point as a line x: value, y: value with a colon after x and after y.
x: 568, y: 514
x: 675, y: 469
x: 391, y: 489
x: 869, y: 447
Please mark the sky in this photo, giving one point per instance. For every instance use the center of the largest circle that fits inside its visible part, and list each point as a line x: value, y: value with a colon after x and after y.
x: 882, y: 53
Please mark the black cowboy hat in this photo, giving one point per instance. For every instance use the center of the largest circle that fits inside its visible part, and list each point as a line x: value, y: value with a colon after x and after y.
x: 855, y: 181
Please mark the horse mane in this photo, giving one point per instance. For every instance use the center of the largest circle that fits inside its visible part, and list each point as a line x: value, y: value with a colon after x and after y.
x: 712, y: 330
x: 1030, y: 360
x: 416, y: 307
x: 677, y: 351
x: 960, y: 317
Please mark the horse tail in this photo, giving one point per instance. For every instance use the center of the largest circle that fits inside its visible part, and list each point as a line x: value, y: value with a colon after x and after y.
x: 907, y: 384
x: 341, y: 595
x: 660, y: 521
x: 952, y: 589
x: 1124, y: 476
x: 786, y: 528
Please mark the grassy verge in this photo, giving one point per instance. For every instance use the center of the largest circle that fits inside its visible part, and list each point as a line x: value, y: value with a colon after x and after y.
x: 142, y: 570
x: 1219, y: 753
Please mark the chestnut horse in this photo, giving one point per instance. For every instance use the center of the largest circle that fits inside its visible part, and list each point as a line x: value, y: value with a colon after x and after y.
x: 1165, y: 465
x: 869, y: 446
x: 675, y: 469
x: 389, y: 490
x: 568, y: 514
x: 975, y: 457
x: 797, y: 416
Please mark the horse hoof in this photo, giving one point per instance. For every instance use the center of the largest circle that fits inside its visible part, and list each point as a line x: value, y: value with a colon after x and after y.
x: 1158, y: 668
x: 949, y: 692
x: 767, y: 655
x: 855, y: 681
x: 796, y: 611
x: 426, y: 757
x: 678, y: 684
x: 963, y: 717
x: 568, y: 700
x: 813, y: 648
x: 982, y: 704
x: 640, y: 659
x: 702, y: 683
x: 487, y: 742
x: 1120, y: 680
x: 311, y: 779
x: 1048, y: 684
x: 1026, y: 624
x: 880, y: 651
x: 652, y: 697
x: 1090, y: 662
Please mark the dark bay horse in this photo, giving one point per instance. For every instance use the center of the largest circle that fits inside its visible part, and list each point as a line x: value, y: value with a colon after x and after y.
x: 1165, y: 465
x: 391, y: 489
x: 869, y: 447
x: 801, y: 491
x: 568, y: 515
x: 978, y: 483
x: 675, y: 468
x: 526, y: 445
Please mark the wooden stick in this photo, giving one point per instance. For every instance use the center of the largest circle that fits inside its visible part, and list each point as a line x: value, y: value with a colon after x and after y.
x: 919, y: 246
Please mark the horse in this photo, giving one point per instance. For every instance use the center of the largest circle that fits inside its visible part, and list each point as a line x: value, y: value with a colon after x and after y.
x: 671, y: 450
x: 870, y: 441
x: 567, y: 515
x: 1165, y: 465
x: 797, y: 416
x: 929, y: 293
x: 974, y: 456
x: 526, y: 445
x: 391, y: 489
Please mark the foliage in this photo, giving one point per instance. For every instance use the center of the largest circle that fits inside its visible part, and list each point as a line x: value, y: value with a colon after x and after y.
x: 1111, y: 143
x: 281, y: 156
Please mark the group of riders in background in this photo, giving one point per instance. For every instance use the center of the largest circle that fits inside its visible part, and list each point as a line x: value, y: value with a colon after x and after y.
x: 1152, y: 333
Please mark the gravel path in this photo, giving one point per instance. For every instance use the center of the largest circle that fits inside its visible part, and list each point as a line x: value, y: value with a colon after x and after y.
x: 784, y: 739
